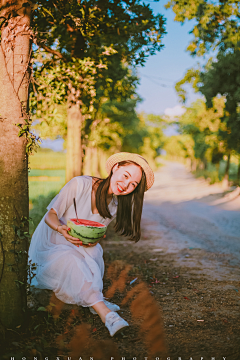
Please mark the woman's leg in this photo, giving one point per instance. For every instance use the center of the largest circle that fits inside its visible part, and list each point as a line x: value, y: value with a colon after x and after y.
x: 102, y: 310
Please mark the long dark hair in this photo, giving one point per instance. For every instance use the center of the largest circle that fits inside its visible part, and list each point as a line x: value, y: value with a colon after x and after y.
x: 129, y: 211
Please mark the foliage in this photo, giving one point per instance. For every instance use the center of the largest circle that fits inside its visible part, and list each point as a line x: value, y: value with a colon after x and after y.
x: 89, y: 49
x: 204, y: 126
x: 73, y: 81
x: 223, y: 78
x: 191, y: 77
x: 32, y: 141
x: 86, y: 33
x: 179, y: 146
x: 82, y: 29
x: 217, y: 27
x: 216, y: 23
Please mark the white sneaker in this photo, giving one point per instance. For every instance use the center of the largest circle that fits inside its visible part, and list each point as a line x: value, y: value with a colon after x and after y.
x: 111, y: 306
x: 114, y: 323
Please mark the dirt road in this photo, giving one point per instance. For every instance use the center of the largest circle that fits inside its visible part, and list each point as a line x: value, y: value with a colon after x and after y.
x: 178, y: 209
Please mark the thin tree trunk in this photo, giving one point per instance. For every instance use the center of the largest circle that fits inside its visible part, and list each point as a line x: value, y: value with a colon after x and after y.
x: 14, y: 202
x: 94, y: 162
x: 193, y: 165
x: 238, y: 173
x: 74, y: 143
x: 87, y: 161
x: 226, y: 175
x: 217, y: 165
x: 102, y: 158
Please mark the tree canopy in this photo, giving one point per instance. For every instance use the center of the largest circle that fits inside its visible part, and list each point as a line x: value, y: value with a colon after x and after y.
x: 216, y: 23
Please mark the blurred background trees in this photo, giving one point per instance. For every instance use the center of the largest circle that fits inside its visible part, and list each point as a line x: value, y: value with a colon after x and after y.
x: 213, y: 124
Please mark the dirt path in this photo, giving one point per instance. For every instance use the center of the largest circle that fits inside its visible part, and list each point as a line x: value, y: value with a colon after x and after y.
x: 178, y: 208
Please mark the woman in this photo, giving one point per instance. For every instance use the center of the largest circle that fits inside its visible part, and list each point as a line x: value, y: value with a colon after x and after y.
x: 72, y: 270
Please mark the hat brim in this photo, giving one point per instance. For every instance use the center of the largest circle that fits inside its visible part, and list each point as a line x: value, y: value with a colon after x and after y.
x: 138, y: 159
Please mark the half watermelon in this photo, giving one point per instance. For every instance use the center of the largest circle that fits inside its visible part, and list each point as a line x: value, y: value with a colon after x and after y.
x: 86, y: 230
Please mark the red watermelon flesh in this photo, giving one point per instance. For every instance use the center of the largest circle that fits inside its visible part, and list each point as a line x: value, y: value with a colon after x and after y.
x: 87, y: 222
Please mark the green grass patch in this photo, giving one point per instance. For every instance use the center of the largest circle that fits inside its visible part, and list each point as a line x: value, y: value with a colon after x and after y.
x: 47, y: 159
x: 38, y: 172
x: 46, y: 179
x: 42, y: 186
x: 39, y: 205
x: 37, y: 188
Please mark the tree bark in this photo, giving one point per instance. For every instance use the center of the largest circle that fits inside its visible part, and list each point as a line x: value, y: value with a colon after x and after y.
x: 74, y: 143
x: 14, y: 202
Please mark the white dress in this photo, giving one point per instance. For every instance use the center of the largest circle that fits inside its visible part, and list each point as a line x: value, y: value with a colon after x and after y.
x: 73, y: 273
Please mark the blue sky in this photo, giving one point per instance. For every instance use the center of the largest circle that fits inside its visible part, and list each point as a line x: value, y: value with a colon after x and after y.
x: 162, y: 71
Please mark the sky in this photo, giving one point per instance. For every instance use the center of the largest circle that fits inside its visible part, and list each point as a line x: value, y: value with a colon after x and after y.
x: 162, y: 71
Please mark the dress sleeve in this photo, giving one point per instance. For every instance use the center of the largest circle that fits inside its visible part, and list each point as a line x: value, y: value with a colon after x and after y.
x: 62, y: 201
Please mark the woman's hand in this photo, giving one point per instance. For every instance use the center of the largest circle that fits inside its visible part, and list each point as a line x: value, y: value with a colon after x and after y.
x: 63, y: 229
x: 90, y: 244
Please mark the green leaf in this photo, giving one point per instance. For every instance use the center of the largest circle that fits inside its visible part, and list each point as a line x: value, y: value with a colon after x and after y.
x: 41, y: 308
x: 48, y: 12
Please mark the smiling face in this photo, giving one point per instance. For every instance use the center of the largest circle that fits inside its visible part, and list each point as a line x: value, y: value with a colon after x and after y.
x: 124, y: 179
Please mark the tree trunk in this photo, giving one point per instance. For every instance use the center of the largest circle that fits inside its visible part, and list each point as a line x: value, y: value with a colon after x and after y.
x: 217, y: 165
x: 74, y: 143
x: 87, y: 162
x: 91, y: 162
x: 193, y: 165
x: 102, y: 158
x: 238, y: 173
x: 14, y: 79
x: 226, y: 175
x: 95, y: 162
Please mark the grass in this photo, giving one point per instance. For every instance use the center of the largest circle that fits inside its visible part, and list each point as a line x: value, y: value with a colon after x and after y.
x: 39, y: 172
x: 49, y: 181
x: 39, y: 208
x: 47, y: 173
x: 46, y: 178
x: 215, y: 175
x: 47, y: 159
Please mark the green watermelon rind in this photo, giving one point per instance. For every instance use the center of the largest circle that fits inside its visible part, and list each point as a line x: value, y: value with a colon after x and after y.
x: 86, y: 233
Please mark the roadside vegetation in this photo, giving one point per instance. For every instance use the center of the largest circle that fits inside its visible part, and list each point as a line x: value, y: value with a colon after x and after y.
x: 210, y: 127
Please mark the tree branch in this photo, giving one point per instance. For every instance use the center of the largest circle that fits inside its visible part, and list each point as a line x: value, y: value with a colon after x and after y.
x: 50, y: 50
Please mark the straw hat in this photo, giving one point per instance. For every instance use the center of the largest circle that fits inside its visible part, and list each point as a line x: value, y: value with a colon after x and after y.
x: 138, y: 159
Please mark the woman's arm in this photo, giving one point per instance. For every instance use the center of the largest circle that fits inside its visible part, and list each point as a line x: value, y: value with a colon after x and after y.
x: 53, y: 222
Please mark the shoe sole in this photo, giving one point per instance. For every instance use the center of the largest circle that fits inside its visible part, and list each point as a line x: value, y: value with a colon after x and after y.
x: 120, y: 330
